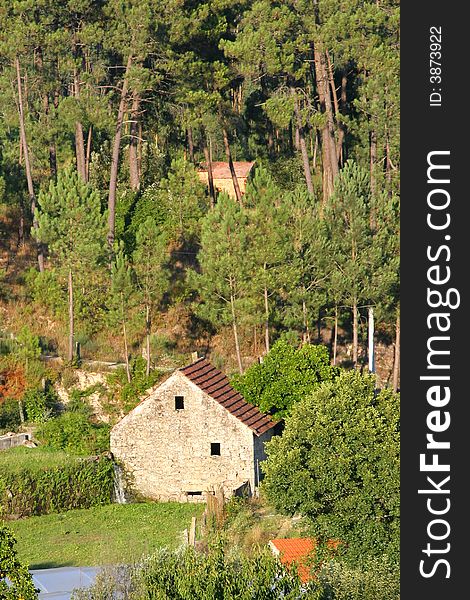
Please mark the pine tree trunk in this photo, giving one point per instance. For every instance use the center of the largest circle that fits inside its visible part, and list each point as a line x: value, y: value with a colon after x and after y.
x: 79, y: 138
x: 355, y: 333
x: 335, y: 342
x: 303, y: 146
x: 372, y: 159
x: 235, y: 335
x: 190, y: 144
x: 340, y: 125
x: 134, y: 178
x: 329, y: 152
x: 396, y: 358
x: 71, y: 322
x: 53, y: 160
x: 228, y: 153
x: 21, y: 411
x: 115, y: 158
x: 88, y: 153
x: 27, y: 163
x: 209, y: 174
x: 124, y: 334
x: 306, y: 335
x: 148, y: 326
x: 266, y: 322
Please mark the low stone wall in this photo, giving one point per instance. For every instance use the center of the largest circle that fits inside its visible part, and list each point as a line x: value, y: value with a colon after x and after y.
x: 10, y: 440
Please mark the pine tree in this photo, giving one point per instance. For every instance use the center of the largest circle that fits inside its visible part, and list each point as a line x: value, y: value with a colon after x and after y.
x: 351, y: 252
x: 71, y: 223
x: 269, y: 244
x: 150, y: 258
x: 122, y: 297
x: 226, y: 268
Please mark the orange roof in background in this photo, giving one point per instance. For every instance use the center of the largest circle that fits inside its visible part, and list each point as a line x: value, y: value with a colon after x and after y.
x: 295, y: 550
x: 221, y: 170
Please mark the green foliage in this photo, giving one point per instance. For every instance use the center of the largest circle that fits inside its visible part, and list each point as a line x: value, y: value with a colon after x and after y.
x: 216, y: 575
x: 37, y: 490
x: 337, y: 463
x: 46, y: 290
x: 129, y: 394
x: 22, y: 586
x: 10, y: 418
x: 285, y: 377
x: 373, y: 579
x: 73, y: 432
x: 182, y: 197
x: 39, y: 405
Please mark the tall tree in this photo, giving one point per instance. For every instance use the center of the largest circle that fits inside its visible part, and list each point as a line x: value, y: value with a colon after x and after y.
x: 122, y: 292
x: 224, y: 280
x: 350, y: 236
x: 150, y: 258
x: 71, y: 223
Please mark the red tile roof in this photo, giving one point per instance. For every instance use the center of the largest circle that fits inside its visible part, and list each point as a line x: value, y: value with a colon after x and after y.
x: 295, y: 550
x: 217, y: 386
x: 221, y: 170
x: 299, y: 551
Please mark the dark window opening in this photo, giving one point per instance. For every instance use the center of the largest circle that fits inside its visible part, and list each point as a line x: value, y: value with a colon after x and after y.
x: 194, y: 493
x: 215, y: 449
x: 179, y: 402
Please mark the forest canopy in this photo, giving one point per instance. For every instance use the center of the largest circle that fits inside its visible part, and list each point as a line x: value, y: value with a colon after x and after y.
x: 109, y: 109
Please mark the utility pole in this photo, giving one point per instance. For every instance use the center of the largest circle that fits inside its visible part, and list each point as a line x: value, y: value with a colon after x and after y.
x: 371, y: 341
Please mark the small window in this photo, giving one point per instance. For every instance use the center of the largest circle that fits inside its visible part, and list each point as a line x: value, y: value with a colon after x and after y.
x: 215, y: 449
x: 194, y: 493
x: 179, y: 402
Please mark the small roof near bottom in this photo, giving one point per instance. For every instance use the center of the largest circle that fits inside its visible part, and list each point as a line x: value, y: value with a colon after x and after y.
x: 59, y: 583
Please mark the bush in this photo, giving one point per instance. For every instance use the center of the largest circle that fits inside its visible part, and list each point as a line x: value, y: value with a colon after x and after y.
x: 286, y: 376
x: 39, y: 405
x: 374, y: 580
x: 75, y: 483
x: 45, y: 289
x: 22, y: 587
x: 188, y: 574
x: 10, y: 418
x: 74, y: 433
x: 129, y: 393
x: 337, y: 463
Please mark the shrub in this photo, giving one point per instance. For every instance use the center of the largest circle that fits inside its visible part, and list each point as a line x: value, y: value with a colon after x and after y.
x: 22, y: 587
x: 188, y: 574
x: 74, y: 433
x: 10, y: 418
x: 39, y: 405
x: 337, y: 463
x: 374, y: 580
x: 75, y: 483
x: 285, y: 376
x: 129, y: 393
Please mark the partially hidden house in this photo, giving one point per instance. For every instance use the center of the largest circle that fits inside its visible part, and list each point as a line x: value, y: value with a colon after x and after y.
x: 299, y: 553
x: 295, y: 552
x: 222, y: 177
x: 192, y: 434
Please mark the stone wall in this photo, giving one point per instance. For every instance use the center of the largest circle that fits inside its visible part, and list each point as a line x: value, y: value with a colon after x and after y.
x: 11, y: 440
x: 167, y: 452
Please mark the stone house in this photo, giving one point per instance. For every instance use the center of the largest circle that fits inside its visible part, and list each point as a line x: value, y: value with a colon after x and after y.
x: 192, y: 434
x: 222, y: 176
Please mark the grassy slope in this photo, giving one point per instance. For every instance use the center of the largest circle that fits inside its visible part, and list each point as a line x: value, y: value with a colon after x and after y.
x: 103, y: 535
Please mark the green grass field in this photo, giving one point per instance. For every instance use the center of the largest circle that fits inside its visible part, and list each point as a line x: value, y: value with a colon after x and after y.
x: 118, y: 533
